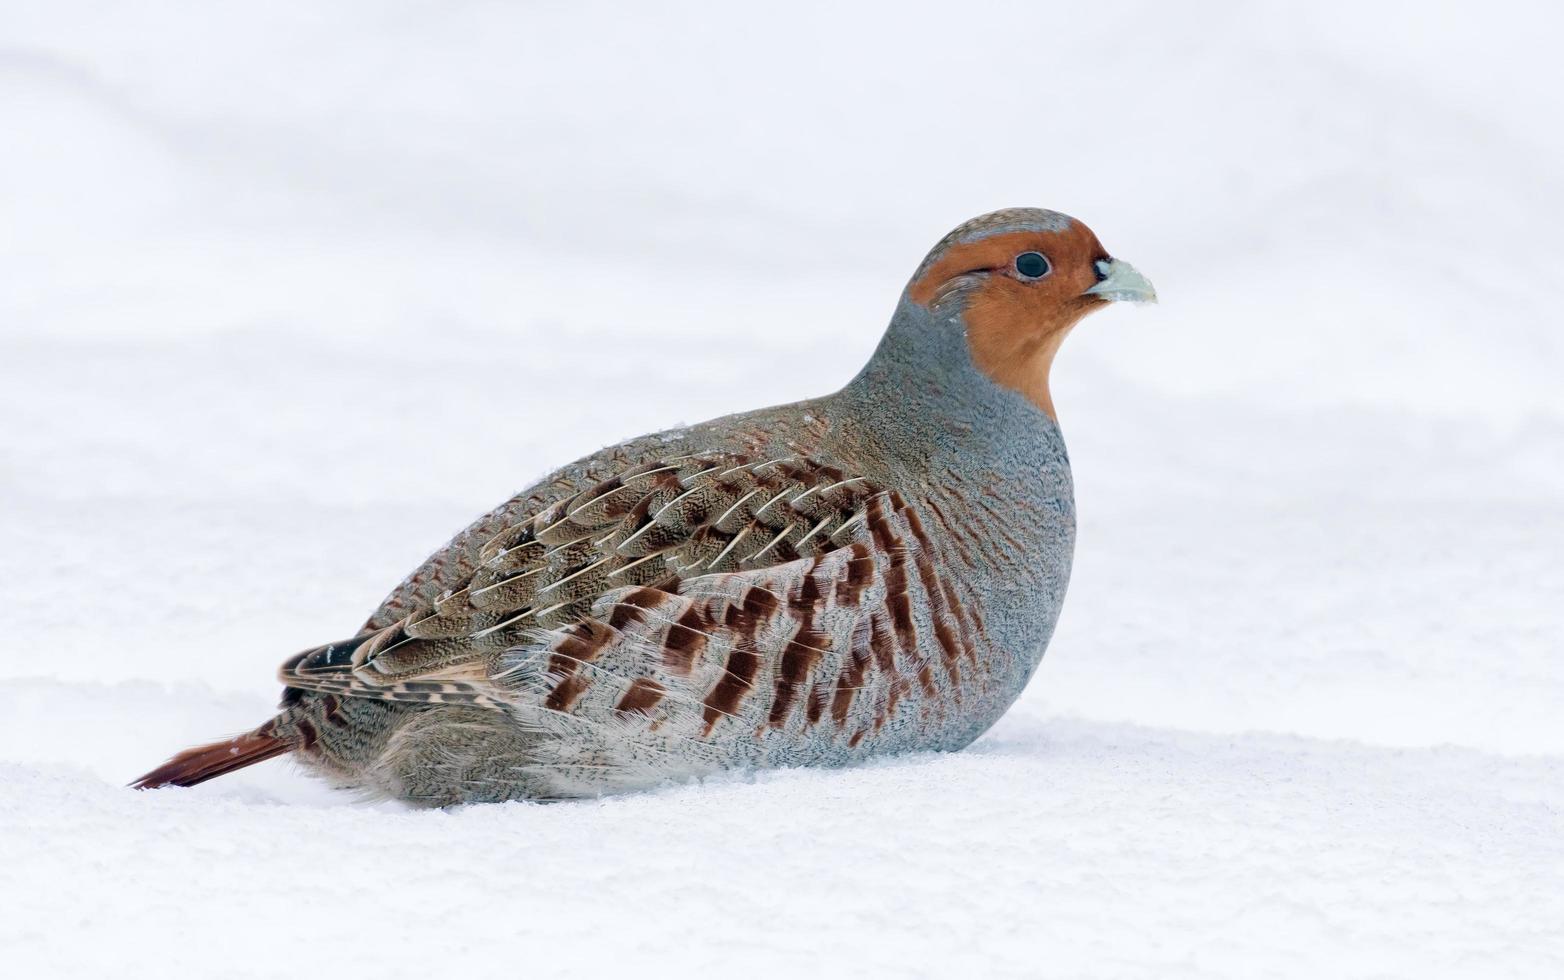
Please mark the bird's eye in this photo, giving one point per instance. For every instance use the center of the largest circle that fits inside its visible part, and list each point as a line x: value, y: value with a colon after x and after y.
x: 1032, y: 265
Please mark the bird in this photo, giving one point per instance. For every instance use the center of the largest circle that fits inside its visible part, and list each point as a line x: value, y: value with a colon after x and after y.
x: 873, y: 571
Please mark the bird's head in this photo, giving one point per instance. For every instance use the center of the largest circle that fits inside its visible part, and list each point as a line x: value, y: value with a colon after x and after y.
x: 1017, y: 280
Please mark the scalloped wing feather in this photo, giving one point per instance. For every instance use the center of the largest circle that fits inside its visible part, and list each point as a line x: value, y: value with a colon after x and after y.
x: 566, y: 576
x: 838, y: 639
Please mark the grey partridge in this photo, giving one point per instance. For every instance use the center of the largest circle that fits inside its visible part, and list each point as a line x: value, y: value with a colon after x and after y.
x: 877, y: 570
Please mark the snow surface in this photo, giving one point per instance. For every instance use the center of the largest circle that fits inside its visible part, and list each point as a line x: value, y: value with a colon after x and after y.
x: 289, y: 292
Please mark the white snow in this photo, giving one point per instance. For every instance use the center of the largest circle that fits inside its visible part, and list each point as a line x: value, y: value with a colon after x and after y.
x: 290, y: 292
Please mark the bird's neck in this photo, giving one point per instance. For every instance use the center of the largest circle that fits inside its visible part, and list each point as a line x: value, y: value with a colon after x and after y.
x: 923, y: 393
x: 1023, y: 368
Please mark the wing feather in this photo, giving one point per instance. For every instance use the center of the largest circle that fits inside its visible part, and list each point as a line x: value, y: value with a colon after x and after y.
x: 594, y: 569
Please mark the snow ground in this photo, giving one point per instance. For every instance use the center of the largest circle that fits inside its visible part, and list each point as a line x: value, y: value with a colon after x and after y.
x: 288, y: 294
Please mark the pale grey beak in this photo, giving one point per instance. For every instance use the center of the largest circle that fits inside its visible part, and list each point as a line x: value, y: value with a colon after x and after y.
x: 1120, y: 282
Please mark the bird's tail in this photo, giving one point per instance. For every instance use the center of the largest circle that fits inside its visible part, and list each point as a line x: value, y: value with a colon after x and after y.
x: 311, y: 704
x: 205, y: 762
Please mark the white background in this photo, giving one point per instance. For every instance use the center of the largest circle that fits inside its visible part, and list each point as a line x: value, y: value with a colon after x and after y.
x: 290, y: 292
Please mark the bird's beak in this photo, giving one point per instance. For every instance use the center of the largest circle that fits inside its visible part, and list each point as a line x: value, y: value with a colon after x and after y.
x: 1120, y: 282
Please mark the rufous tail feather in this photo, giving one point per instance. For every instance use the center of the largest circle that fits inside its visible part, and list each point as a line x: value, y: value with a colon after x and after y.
x: 205, y: 762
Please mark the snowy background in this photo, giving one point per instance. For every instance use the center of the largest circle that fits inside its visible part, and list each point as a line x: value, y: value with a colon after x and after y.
x: 290, y: 292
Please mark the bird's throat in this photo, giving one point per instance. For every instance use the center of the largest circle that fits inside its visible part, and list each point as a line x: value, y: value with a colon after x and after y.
x: 1021, y: 363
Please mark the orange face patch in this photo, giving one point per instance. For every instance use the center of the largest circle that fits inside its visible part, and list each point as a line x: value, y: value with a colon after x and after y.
x: 1015, y: 325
